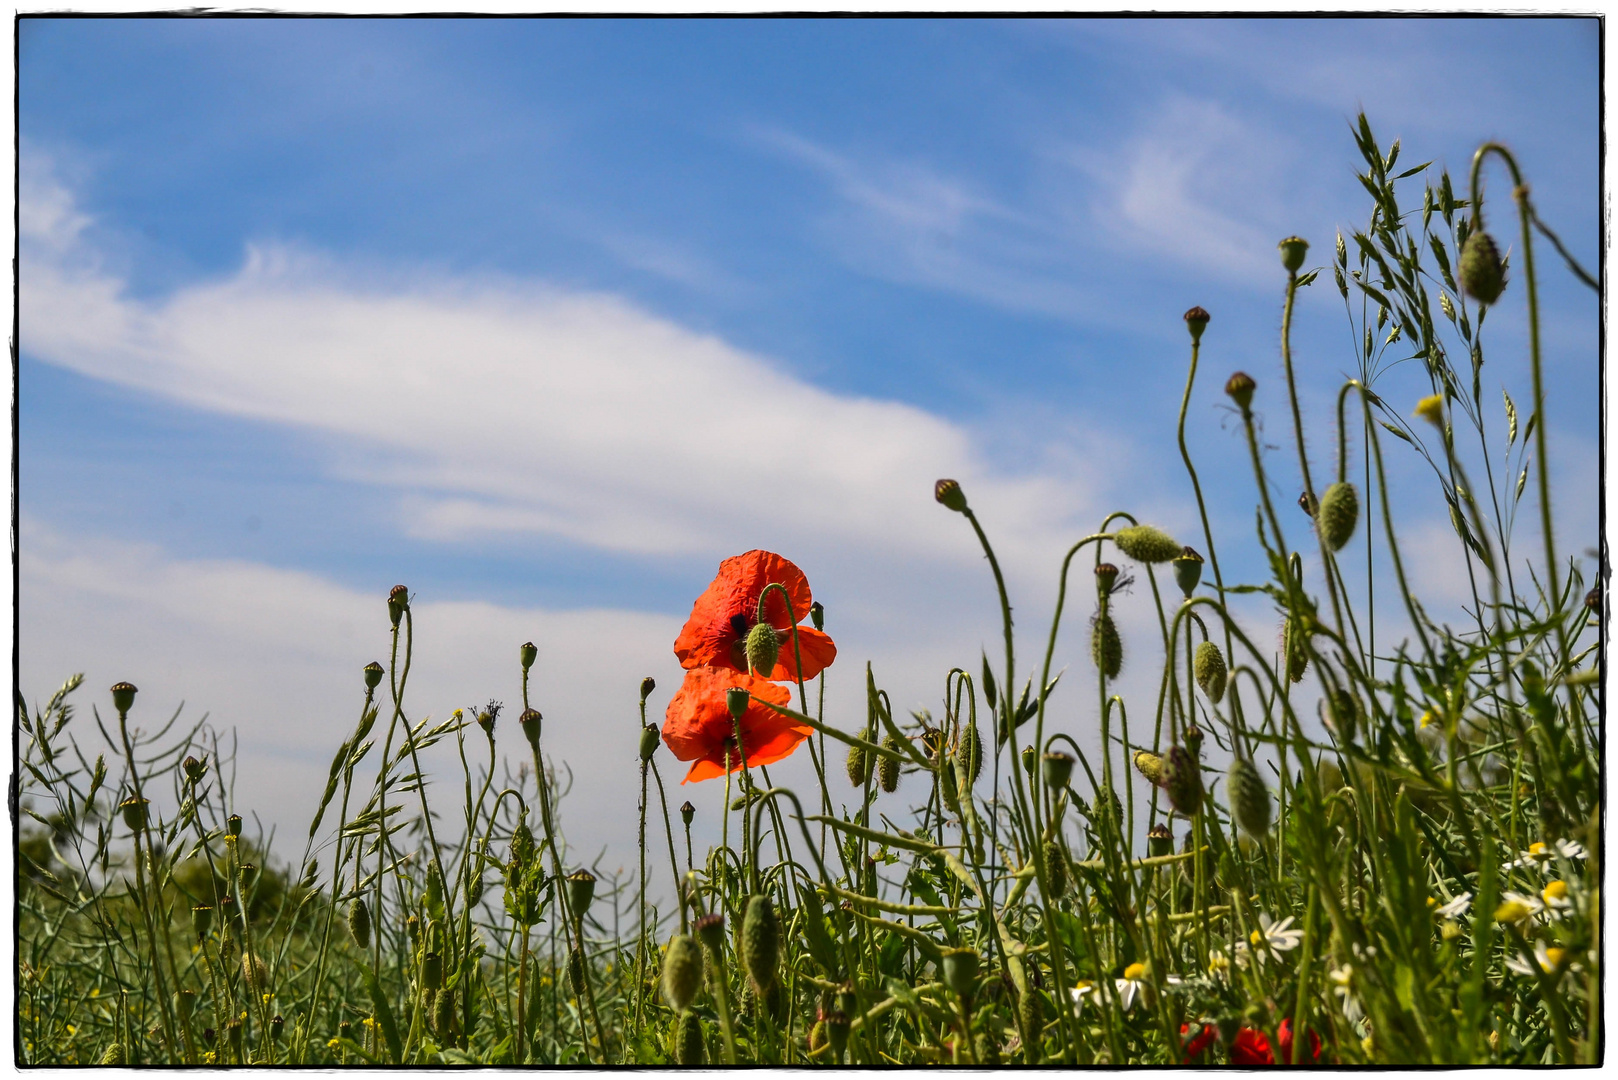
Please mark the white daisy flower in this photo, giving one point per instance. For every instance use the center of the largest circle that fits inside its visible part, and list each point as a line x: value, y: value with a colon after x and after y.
x: 1455, y: 908
x: 1540, y: 854
x: 1550, y: 959
x: 1079, y: 993
x: 1516, y: 907
x: 1276, y: 935
x: 1555, y: 895
x: 1132, y: 986
x: 1219, y: 966
x: 1343, y: 986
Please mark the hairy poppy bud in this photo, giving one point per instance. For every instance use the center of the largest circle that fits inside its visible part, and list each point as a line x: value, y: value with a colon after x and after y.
x: 837, y: 1025
x: 1293, y: 250
x: 763, y: 647
x: 123, y: 696
x: 398, y: 603
x: 581, y: 889
x: 1106, y: 647
x: 1055, y: 869
x: 1149, y: 765
x: 113, y: 1054
x: 682, y: 971
x: 650, y: 736
x: 961, y: 970
x: 969, y: 755
x: 1058, y: 770
x: 1293, y: 640
x: 1188, y: 571
x: 1208, y: 666
x: 1483, y: 274
x: 761, y: 942
x: 858, y: 766
x: 949, y: 493
x: 688, y: 1044
x: 736, y: 701
x: 373, y: 675
x: 444, y: 1015
x: 530, y: 721
x: 1106, y: 576
x: 887, y: 768
x: 134, y: 812
x: 1339, y: 513
x: 1146, y: 544
x: 474, y: 888
x: 1181, y: 779
x: 1193, y: 740
x: 575, y: 971
x: 432, y: 971
x: 201, y: 919
x: 194, y: 769
x: 1249, y: 798
x: 687, y: 811
x: 817, y: 615
x: 1159, y: 841
x: 1196, y: 320
x: 1240, y: 388
x: 948, y: 788
x: 1031, y: 1014
x: 711, y: 930
x: 647, y: 685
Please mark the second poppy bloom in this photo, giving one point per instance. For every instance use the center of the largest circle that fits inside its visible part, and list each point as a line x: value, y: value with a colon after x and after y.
x: 716, y: 633
x: 699, y: 728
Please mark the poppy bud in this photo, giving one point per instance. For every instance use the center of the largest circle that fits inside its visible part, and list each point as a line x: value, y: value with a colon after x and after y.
x: 1343, y: 714
x: 1188, y: 571
x: 682, y: 971
x: 1297, y: 657
x: 762, y: 648
x: 1193, y: 740
x: 1208, y: 666
x: 530, y: 721
x: 1055, y: 869
x: 858, y: 770
x: 1106, y: 575
x: 961, y: 970
x: 474, y: 889
x: 948, y: 788
x: 1196, y: 320
x: 1159, y: 841
x: 1483, y: 275
x: 581, y: 889
x: 194, y: 769
x: 373, y: 675
x: 736, y: 701
x: 201, y: 919
x: 1149, y: 765
x: 112, y: 1055
x: 1106, y: 647
x: 1181, y: 778
x: 1240, y: 388
x: 1058, y: 770
x: 575, y: 971
x: 1339, y: 513
x: 949, y: 493
x: 1249, y: 798
x: 1293, y: 249
x: 837, y: 1025
x: 650, y: 736
x: 398, y: 603
x: 688, y: 1045
x: 711, y: 930
x: 647, y: 685
x: 761, y: 942
x: 528, y: 652
x: 413, y: 931
x: 887, y: 768
x: 817, y: 615
x: 1307, y: 503
x: 255, y: 972
x: 1146, y: 544
x: 444, y: 1015
x: 687, y: 811
x: 969, y: 755
x: 233, y: 825
x: 123, y: 696
x: 134, y: 812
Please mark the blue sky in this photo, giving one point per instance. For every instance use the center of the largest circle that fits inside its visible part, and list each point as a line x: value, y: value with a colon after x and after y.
x: 545, y: 318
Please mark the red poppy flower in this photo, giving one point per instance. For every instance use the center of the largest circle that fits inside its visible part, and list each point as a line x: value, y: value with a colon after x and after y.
x: 716, y: 632
x: 1198, y: 1042
x: 1251, y: 1048
x: 699, y: 728
x: 1283, y: 1036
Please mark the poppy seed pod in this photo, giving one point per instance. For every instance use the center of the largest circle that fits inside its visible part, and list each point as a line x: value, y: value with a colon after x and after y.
x: 1146, y: 544
x: 858, y: 766
x: 527, y: 652
x: 688, y: 1046
x: 1028, y: 761
x: 1292, y: 643
x: 761, y: 942
x: 736, y: 701
x: 575, y: 971
x: 647, y: 685
x: 961, y: 970
x: 373, y: 675
x: 682, y: 971
x: 1055, y: 869
x: 1483, y: 274
x: 432, y: 971
x: 887, y: 768
x: 1208, y: 666
x: 1188, y: 571
x: 762, y: 649
x: 1339, y: 513
x: 1293, y: 250
x: 1159, y: 841
x: 185, y: 1003
x: 194, y: 769
x: 949, y: 493
x: 530, y: 721
x: 123, y: 696
x: 817, y: 615
x: 650, y: 736
x: 1106, y: 576
x: 711, y: 930
x: 1249, y: 798
x: 1106, y: 647
x: 1058, y: 770
x: 969, y: 755
x: 1240, y: 387
x: 202, y: 919
x: 1182, y: 780
x: 398, y: 603
x: 1149, y: 765
x: 687, y: 811
x: 1196, y: 320
x: 837, y: 1025
x: 134, y: 812
x: 581, y: 889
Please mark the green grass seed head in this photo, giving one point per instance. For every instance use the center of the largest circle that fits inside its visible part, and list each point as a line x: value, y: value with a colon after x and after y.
x: 682, y: 971
x: 761, y: 942
x: 1147, y: 544
x: 1208, y: 666
x: 1339, y: 514
x: 1249, y: 798
x: 1483, y: 273
x: 1106, y: 647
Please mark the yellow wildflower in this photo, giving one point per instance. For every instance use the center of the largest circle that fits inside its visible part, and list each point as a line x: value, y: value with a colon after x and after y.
x: 1431, y: 409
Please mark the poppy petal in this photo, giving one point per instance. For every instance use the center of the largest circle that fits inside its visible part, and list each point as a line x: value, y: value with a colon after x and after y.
x: 818, y: 651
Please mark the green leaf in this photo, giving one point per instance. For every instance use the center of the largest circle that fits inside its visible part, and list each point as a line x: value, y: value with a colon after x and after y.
x: 384, y: 1015
x: 814, y: 931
